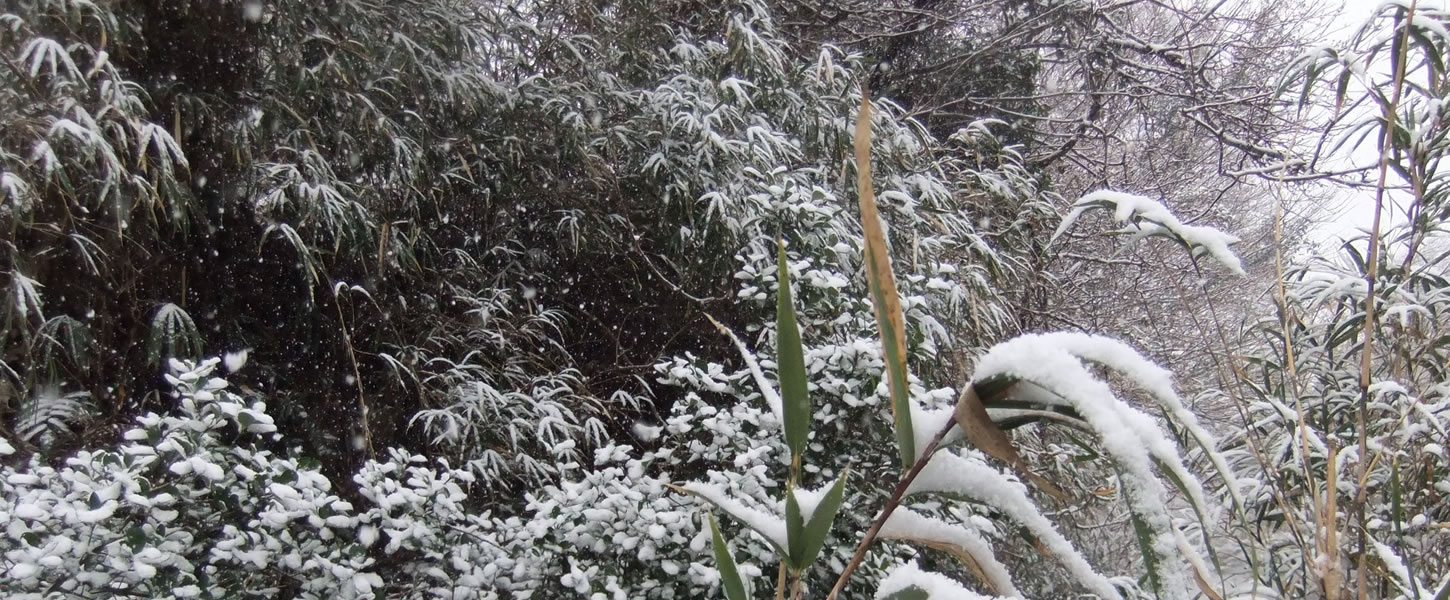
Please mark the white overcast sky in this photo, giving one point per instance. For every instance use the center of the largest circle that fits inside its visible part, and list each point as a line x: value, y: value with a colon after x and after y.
x: 1356, y: 211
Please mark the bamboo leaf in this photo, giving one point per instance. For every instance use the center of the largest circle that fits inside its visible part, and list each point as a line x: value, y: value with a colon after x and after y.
x: 1200, y: 577
x: 884, y: 299
x: 964, y: 557
x: 960, y: 542
x: 911, y: 593
x: 1199, y: 510
x: 795, y: 538
x: 908, y: 582
x: 730, y: 579
x: 772, y: 399
x: 1341, y: 90
x: 1151, y: 560
x: 790, y: 363
x: 819, y: 525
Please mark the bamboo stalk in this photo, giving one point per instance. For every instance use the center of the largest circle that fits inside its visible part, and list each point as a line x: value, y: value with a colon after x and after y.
x: 1371, y: 272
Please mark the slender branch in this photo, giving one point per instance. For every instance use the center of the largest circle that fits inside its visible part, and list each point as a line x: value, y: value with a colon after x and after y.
x: 891, y: 504
x: 362, y: 403
x: 780, y: 583
x: 1371, y: 271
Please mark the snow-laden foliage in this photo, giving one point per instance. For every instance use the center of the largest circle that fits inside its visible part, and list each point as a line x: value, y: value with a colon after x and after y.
x: 194, y: 505
x: 480, y: 226
x: 48, y: 413
x: 1042, y: 374
x: 1145, y: 217
x: 1343, y: 398
x: 1305, y: 402
x: 310, y: 188
x: 189, y: 506
x: 484, y: 230
x: 492, y: 231
x: 1046, y: 375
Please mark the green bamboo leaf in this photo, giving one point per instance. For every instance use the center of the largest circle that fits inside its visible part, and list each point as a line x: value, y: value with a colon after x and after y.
x: 884, y: 299
x: 1151, y: 559
x: 1341, y: 91
x: 820, y: 522
x: 790, y: 363
x: 1434, y: 60
x: 730, y: 579
x: 1199, y: 510
x: 911, y: 593
x: 1311, y: 74
x: 1395, y: 512
x: 173, y: 334
x: 795, y: 537
x: 1398, y: 516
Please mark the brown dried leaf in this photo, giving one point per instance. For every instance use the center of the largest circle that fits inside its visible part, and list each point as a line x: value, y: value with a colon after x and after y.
x: 971, y: 415
x: 884, y: 299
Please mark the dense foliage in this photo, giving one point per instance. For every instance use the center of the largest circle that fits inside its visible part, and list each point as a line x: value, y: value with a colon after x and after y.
x: 449, y: 298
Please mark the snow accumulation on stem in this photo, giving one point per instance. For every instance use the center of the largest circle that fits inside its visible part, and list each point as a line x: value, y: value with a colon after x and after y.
x: 808, y: 500
x: 927, y: 422
x: 771, y: 526
x: 1158, y: 382
x: 936, y: 585
x: 1133, y: 209
x: 952, y: 474
x: 772, y: 399
x: 1130, y: 437
x: 1397, y: 568
x: 905, y: 524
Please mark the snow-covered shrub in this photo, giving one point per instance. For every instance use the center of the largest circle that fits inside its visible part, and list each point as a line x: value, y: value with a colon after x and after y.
x: 1302, y: 458
x: 457, y: 216
x: 193, y: 505
x: 422, y: 221
x: 189, y: 506
x: 286, y: 177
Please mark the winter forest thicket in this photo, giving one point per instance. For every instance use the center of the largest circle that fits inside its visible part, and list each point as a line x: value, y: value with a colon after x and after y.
x: 619, y: 299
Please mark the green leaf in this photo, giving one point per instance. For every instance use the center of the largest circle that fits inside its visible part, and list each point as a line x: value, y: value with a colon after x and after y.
x: 819, y: 526
x: 1395, y: 512
x: 1198, y: 509
x: 795, y: 537
x: 1201, y: 511
x: 135, y: 538
x: 173, y: 334
x: 1398, y: 516
x: 1341, y: 91
x: 1310, y: 75
x: 1151, y: 559
x: 730, y: 579
x: 910, y: 593
x: 790, y: 363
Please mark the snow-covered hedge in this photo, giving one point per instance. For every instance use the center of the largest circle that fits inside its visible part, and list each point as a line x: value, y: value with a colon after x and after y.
x: 194, y: 505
